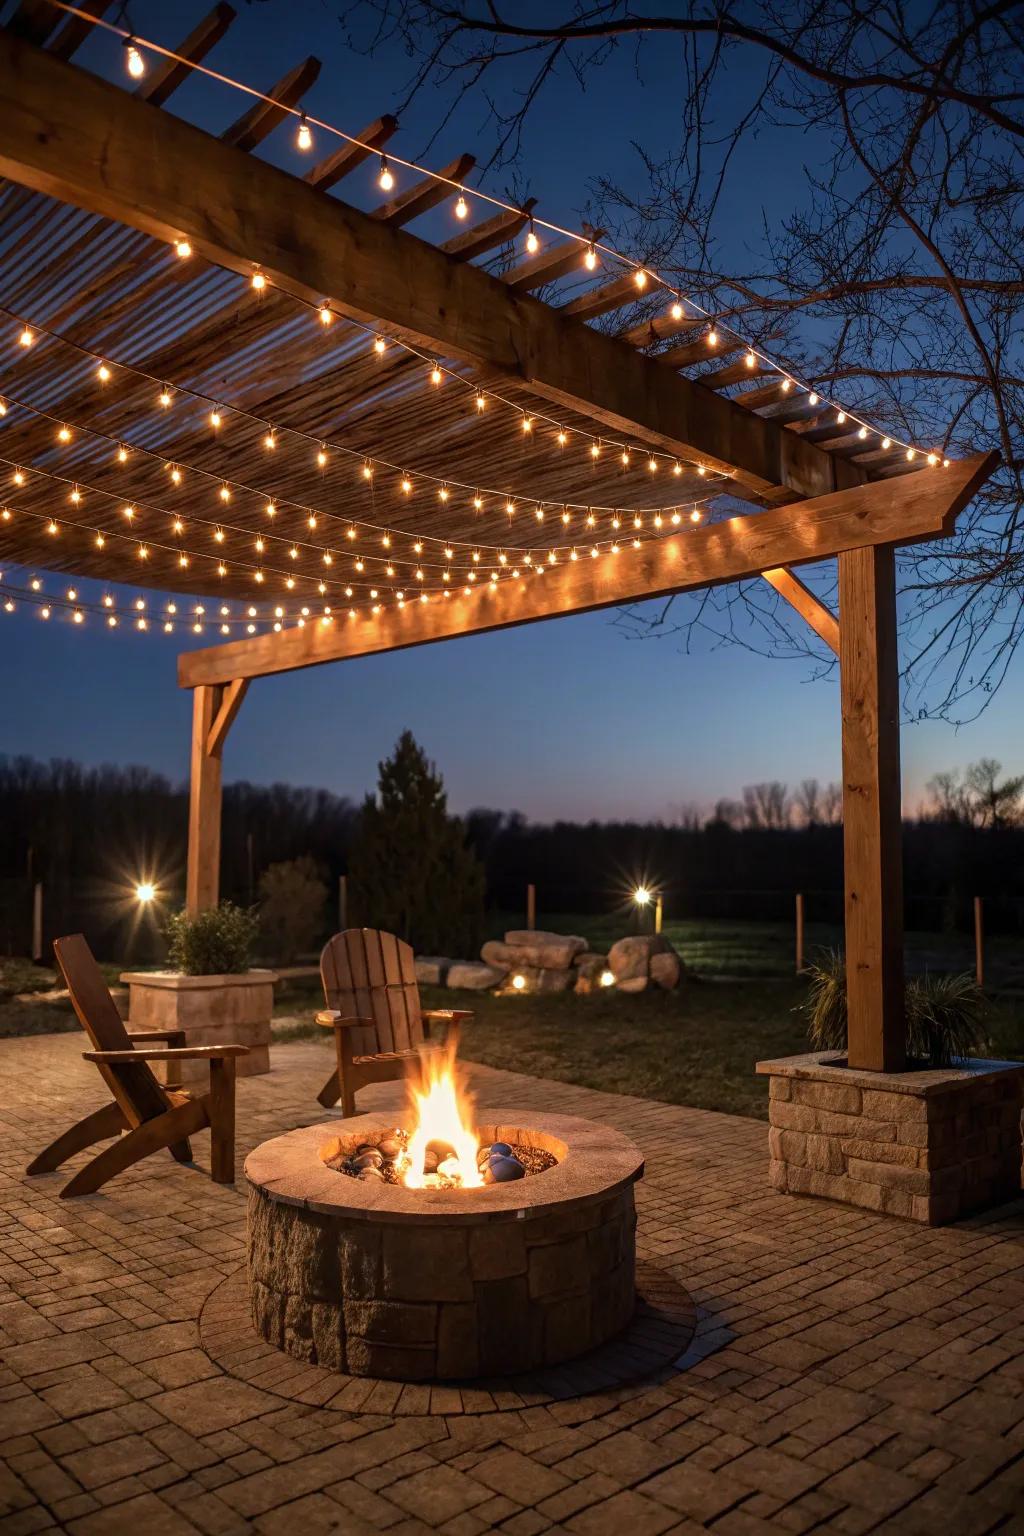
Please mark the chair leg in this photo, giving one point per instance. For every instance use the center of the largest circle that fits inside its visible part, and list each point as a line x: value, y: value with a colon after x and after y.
x: 165, y: 1130
x: 101, y: 1124
x: 222, y: 1120
x: 328, y: 1095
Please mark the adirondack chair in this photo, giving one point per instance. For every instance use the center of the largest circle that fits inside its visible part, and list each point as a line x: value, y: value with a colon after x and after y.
x: 373, y: 1006
x: 152, y: 1116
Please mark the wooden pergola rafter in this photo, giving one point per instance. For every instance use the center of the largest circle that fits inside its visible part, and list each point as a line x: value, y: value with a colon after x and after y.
x: 815, y: 492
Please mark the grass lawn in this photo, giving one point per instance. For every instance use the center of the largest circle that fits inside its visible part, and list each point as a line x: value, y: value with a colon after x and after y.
x: 697, y: 1046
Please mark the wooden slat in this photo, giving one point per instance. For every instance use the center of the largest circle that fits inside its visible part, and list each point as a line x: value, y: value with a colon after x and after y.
x: 699, y: 351
x: 660, y: 328
x: 80, y: 138
x: 810, y: 608
x: 365, y: 1041
x: 489, y: 233
x: 342, y: 162
x: 262, y: 117
x: 396, y: 999
x: 376, y: 981
x: 599, y: 301
x: 66, y: 43
x: 424, y: 194
x: 872, y: 829
x: 547, y: 265
x: 166, y: 75
x: 921, y: 506
x: 735, y: 373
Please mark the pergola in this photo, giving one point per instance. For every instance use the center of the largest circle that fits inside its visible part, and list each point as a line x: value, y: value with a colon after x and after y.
x: 104, y: 186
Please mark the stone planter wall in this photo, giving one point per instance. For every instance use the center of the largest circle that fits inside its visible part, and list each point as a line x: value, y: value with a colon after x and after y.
x: 930, y: 1145
x: 212, y: 1010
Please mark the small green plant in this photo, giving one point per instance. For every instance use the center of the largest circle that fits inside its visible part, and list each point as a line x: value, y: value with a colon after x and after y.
x: 216, y: 942
x: 945, y: 1014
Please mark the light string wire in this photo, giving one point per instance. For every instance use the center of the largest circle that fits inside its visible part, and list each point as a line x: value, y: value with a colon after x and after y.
x: 641, y: 271
x: 625, y: 450
x: 71, y: 601
x: 523, y: 553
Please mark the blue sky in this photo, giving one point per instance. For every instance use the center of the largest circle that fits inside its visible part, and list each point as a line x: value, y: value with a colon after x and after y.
x: 567, y: 718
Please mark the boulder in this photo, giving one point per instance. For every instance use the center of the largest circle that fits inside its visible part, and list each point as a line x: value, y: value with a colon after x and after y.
x: 432, y: 970
x: 473, y: 975
x: 590, y: 967
x: 548, y: 951
x: 631, y: 957
x: 666, y: 970
x: 538, y: 979
x: 632, y: 984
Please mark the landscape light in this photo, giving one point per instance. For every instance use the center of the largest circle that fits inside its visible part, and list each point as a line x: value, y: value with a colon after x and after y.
x: 607, y: 979
x: 641, y: 896
x: 519, y: 982
x: 145, y: 891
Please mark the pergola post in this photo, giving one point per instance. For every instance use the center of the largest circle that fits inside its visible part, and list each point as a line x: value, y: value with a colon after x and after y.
x: 872, y: 828
x: 213, y: 710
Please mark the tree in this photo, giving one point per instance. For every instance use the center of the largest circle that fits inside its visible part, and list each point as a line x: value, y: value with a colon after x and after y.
x: 293, y: 895
x: 410, y: 869
x: 766, y: 805
x: 892, y: 281
x: 978, y: 798
x: 808, y: 802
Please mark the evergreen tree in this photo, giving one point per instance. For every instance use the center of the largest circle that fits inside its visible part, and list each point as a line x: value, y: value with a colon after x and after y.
x: 410, y: 870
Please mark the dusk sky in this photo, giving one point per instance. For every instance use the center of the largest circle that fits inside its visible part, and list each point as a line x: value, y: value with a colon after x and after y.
x: 564, y: 719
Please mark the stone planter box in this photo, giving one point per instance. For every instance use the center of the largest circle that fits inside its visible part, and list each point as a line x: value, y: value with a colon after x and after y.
x: 212, y: 1010
x: 932, y: 1145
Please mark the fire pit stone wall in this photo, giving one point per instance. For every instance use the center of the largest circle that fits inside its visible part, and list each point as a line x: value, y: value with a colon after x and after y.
x: 420, y: 1285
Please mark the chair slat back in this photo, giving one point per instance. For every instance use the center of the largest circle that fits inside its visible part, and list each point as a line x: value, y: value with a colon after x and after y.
x: 131, y: 1083
x: 372, y: 975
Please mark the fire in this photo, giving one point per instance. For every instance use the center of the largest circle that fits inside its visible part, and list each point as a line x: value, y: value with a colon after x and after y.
x: 442, y: 1113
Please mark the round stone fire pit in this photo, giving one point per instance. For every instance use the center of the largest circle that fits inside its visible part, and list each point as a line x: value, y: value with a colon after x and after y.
x: 426, y: 1284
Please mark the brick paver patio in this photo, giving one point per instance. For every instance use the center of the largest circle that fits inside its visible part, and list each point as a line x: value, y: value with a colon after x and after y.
x: 849, y: 1372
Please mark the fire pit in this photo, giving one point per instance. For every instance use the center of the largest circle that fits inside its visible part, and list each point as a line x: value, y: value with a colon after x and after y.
x: 415, y: 1274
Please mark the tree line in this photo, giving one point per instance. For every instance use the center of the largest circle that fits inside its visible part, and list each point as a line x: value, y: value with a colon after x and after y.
x: 89, y: 834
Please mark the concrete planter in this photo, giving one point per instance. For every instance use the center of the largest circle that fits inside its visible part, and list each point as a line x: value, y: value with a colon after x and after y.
x: 212, y: 1010
x: 932, y: 1145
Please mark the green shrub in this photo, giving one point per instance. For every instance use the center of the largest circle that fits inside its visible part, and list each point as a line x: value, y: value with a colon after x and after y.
x: 945, y: 1014
x: 216, y: 942
x: 292, y: 900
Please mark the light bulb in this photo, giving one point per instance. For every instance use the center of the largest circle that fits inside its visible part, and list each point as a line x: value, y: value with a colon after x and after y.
x: 321, y: 457
x: 750, y: 359
x: 215, y: 419
x: 461, y: 207
x: 122, y: 455
x: 64, y: 434
x: 481, y: 403
x: 324, y: 311
x: 435, y: 375
x: 258, y: 280
x: 911, y: 454
x: 385, y: 180
x: 133, y: 60
x: 712, y: 337
x: 183, y: 248
x: 100, y: 541
x: 103, y: 373
x: 695, y: 515
x: 676, y: 311
x: 270, y: 441
x: 840, y: 417
x: 886, y: 442
x: 304, y: 138
x: 532, y: 242
x: 595, y: 451
x: 164, y: 397
x: 380, y: 346
x: 271, y: 509
x: 527, y: 424
x: 640, y: 278
x: 590, y: 259
x: 812, y: 398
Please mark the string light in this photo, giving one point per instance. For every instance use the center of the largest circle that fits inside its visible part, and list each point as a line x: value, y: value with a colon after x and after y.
x: 183, y: 248
x: 325, y: 313
x: 26, y: 338
x: 532, y: 239
x: 385, y: 180
x: 590, y: 257
x: 304, y: 137
x: 133, y: 60
x: 461, y: 207
x: 380, y: 346
x: 258, y: 280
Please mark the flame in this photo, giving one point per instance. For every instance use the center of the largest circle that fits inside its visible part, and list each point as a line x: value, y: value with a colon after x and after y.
x: 442, y: 1112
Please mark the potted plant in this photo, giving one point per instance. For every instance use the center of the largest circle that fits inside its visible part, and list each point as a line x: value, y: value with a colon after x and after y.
x: 211, y: 994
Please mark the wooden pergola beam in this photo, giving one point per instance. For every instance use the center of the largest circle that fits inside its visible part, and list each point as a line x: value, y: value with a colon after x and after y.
x: 78, y: 138
x: 800, y: 597
x: 918, y: 507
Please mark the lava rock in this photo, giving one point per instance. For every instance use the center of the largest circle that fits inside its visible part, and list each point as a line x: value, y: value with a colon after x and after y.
x: 502, y: 1170
x: 390, y: 1148
x: 370, y: 1172
x: 430, y: 1161
x: 368, y: 1159
x: 500, y: 1149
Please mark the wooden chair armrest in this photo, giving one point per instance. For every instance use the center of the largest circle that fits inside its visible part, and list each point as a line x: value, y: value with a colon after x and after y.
x: 448, y: 1015
x: 145, y: 1035
x: 186, y: 1053
x: 330, y: 1018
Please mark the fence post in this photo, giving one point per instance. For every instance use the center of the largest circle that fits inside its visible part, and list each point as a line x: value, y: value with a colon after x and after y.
x: 342, y: 903
x: 37, y: 920
x: 979, y: 940
x: 799, y: 932
x: 531, y: 907
x: 658, y: 910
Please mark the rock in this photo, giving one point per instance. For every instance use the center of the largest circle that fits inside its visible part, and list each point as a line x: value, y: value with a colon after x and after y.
x: 432, y: 970
x: 547, y: 951
x: 502, y: 1170
x: 590, y: 965
x: 631, y: 957
x: 473, y: 976
x: 632, y: 984
x: 666, y: 970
